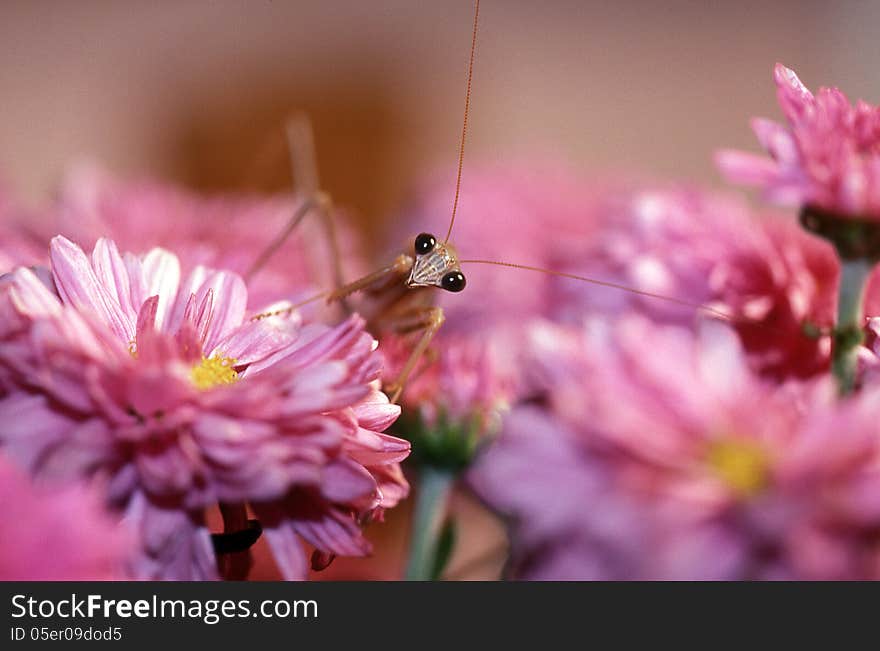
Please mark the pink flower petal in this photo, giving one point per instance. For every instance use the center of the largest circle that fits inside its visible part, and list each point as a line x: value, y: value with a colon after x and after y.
x: 748, y: 169
x: 345, y: 481
x: 287, y: 551
x: 31, y: 296
x: 335, y: 533
x: 777, y: 140
x: 79, y: 286
x: 253, y: 341
x: 112, y: 274
x: 370, y: 448
x: 161, y: 273
x: 794, y: 97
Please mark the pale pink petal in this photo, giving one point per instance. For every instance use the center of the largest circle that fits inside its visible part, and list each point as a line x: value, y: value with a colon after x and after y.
x: 112, y: 274
x: 79, y: 286
x: 253, y: 341
x: 161, y: 271
x: 230, y: 303
x: 749, y: 169
x: 376, y: 412
x: 31, y: 296
x: 777, y: 140
x: 188, y: 288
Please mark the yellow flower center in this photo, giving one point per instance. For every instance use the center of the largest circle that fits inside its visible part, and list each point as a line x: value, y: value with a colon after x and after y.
x: 742, y: 465
x: 213, y: 371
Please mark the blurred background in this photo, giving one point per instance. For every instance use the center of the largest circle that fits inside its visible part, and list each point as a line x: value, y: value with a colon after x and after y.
x: 197, y: 93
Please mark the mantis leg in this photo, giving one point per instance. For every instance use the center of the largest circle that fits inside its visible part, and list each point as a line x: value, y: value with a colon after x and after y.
x: 428, y: 320
x: 316, y: 202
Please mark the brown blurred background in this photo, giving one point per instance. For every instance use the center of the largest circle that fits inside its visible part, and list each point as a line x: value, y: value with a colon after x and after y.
x: 197, y: 92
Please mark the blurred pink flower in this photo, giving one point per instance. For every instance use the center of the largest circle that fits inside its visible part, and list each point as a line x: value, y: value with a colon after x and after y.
x: 218, y: 231
x: 777, y: 283
x: 732, y: 477
x: 462, y: 379
x: 57, y: 534
x: 782, y: 289
x: 565, y: 521
x: 828, y: 156
x: 165, y: 388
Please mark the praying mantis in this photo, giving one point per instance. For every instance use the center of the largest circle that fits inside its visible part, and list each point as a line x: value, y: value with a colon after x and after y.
x: 403, y: 290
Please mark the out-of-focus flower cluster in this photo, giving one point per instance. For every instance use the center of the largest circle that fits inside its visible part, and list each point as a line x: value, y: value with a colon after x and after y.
x: 652, y: 438
x: 660, y: 405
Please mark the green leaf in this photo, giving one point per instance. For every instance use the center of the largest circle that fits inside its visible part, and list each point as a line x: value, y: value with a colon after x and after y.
x: 443, y: 551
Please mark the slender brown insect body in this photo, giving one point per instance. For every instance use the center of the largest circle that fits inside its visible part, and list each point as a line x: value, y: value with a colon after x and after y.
x: 402, y: 297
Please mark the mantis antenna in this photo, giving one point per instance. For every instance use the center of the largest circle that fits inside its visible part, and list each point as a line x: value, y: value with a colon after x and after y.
x: 467, y: 107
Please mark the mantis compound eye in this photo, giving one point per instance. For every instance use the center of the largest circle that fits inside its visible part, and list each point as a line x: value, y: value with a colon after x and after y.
x: 454, y: 281
x: 425, y: 243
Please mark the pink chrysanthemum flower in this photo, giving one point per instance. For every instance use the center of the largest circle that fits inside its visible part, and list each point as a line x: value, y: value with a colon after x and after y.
x: 828, y: 156
x: 733, y: 478
x: 116, y: 367
x: 218, y: 231
x: 57, y: 534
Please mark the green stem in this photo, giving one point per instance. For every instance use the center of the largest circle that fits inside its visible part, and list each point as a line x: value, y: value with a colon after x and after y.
x: 434, y: 488
x: 848, y: 333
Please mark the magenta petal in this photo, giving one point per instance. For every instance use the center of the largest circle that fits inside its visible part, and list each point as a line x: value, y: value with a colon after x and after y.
x: 30, y: 428
x: 336, y: 533
x: 794, y: 98
x: 155, y: 390
x: 57, y: 533
x: 147, y: 315
x: 175, y: 546
x: 85, y: 448
x: 345, y: 481
x: 287, y: 551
